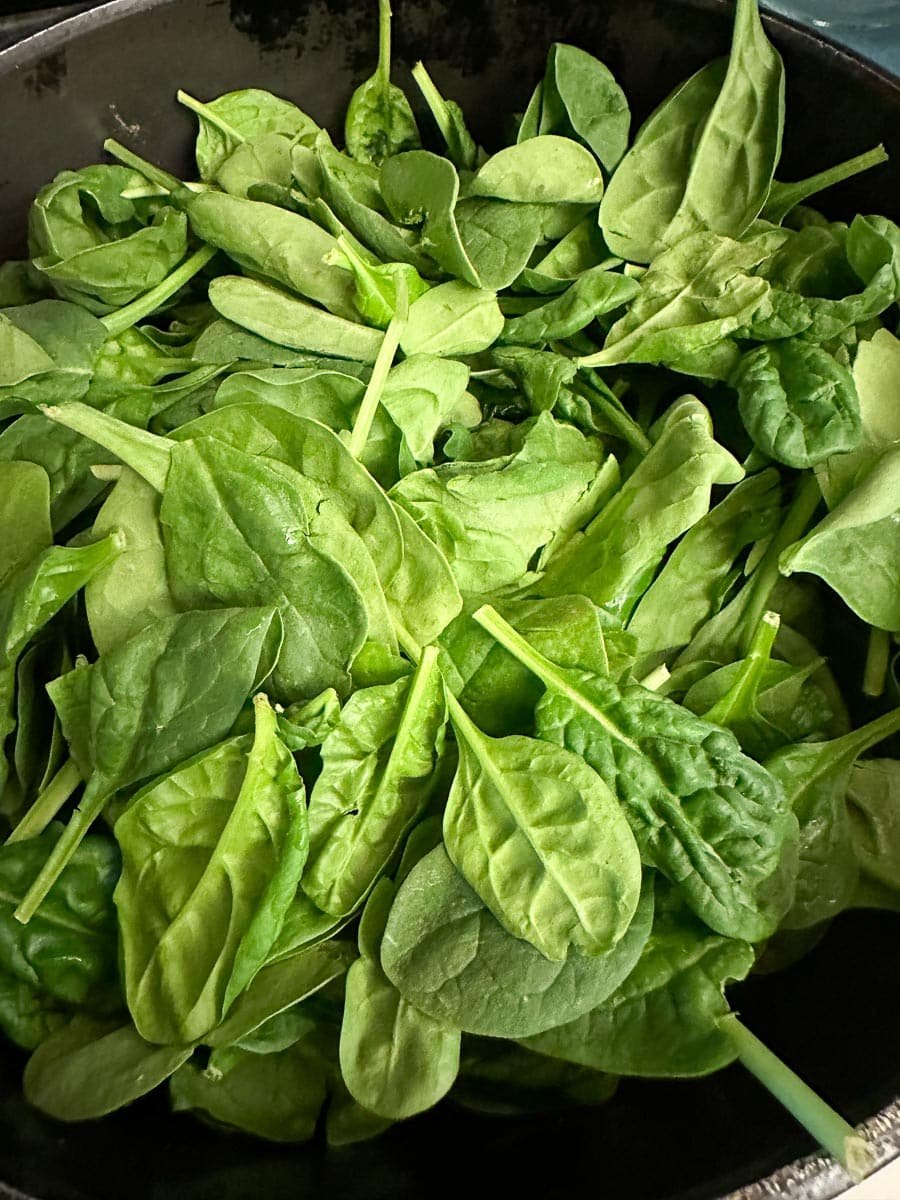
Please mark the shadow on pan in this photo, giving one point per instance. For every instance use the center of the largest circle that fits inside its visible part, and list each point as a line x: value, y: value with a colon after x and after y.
x: 114, y: 71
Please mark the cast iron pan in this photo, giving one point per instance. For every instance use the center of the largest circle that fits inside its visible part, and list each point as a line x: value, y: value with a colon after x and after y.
x: 115, y: 70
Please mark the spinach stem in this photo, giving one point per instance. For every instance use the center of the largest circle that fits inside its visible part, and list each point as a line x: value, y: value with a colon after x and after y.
x: 408, y: 643
x: 654, y: 681
x: 827, y: 1126
x: 210, y: 115
x: 767, y: 574
x: 128, y: 158
x: 878, y: 657
x: 124, y: 318
x: 80, y: 822
x: 785, y: 196
x: 548, y: 673
x: 435, y: 102
x: 741, y: 692
x: 383, y: 363
x: 384, y: 42
x: 461, y: 720
x: 606, y: 402
x: 857, y: 741
x: 48, y: 803
x: 145, y: 452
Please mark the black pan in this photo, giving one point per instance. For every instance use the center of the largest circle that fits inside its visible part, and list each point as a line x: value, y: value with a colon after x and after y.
x: 114, y: 70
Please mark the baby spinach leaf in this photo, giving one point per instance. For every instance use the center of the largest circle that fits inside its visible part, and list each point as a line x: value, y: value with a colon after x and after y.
x: 395, y: 1060
x: 579, y: 96
x: 593, y: 293
x: 281, y: 246
x: 308, y: 724
x: 423, y: 592
x: 451, y: 958
x: 27, y: 1017
x: 766, y: 703
x: 282, y: 983
x: 378, y: 771
x: 491, y: 518
x: 583, y: 881
x: 692, y: 298
x: 452, y: 320
x: 274, y: 1096
x: 229, y: 120
x: 695, y: 579
x: 613, y: 560
x: 39, y: 589
x: 422, y: 187
x: 815, y: 776
x: 274, y: 315
x: 25, y: 530
x: 873, y: 802
x: 498, y: 237
x: 798, y: 402
x: 328, y: 394
x: 661, y: 1021
x: 422, y: 395
x: 497, y: 691
x: 50, y: 350
x: 217, y: 846
x: 377, y: 284
x: 182, y: 680
x: 68, y: 953
x: 347, y: 1122
x: 97, y: 247
x: 261, y: 161
x: 259, y: 539
x: 546, y: 169
x: 856, y: 547
x: 418, y: 586
x: 90, y: 1068
x: 379, y: 121
x: 713, y: 821
x: 133, y: 589
x: 449, y: 118
x: 706, y: 157
x: 582, y: 247
x: 876, y: 374
x: 353, y: 192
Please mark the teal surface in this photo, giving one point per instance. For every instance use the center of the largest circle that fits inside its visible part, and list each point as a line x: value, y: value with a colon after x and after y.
x: 870, y: 27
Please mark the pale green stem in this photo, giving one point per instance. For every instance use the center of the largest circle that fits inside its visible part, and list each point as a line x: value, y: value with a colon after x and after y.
x: 408, y: 643
x: 128, y: 158
x: 210, y: 115
x: 878, y: 659
x: 827, y: 1126
x: 859, y: 740
x: 143, y: 306
x: 607, y: 403
x: 435, y: 102
x: 751, y: 672
x: 654, y: 681
x: 48, y: 803
x: 462, y: 722
x: 384, y: 41
x: 383, y: 363
x: 82, y: 819
x: 767, y: 573
x: 785, y: 196
x: 548, y: 673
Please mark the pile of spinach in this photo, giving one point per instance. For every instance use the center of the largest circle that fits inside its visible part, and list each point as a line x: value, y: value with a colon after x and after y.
x: 414, y: 565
